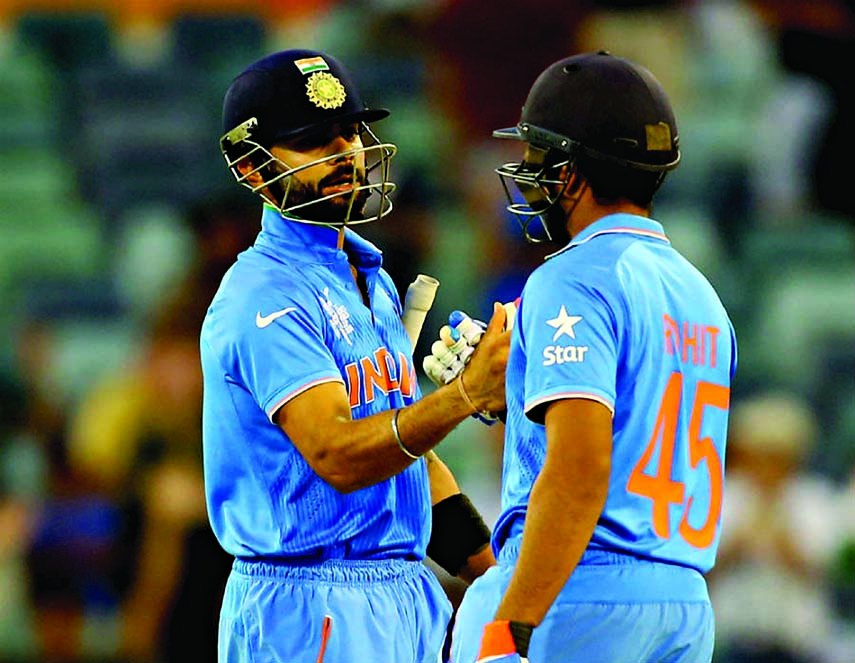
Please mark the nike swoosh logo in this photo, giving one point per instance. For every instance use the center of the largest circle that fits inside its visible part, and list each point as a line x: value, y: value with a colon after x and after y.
x: 262, y: 321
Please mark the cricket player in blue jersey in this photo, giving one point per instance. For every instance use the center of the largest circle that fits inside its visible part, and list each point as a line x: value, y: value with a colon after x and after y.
x: 618, y: 385
x: 319, y: 473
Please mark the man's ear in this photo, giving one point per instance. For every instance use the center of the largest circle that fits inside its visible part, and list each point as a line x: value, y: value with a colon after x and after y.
x: 247, y: 169
x: 573, y: 179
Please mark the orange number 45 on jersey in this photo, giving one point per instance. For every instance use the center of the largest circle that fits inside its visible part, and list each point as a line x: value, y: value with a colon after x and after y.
x: 659, y: 486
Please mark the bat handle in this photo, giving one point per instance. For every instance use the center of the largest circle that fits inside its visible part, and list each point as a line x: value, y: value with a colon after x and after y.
x: 417, y: 303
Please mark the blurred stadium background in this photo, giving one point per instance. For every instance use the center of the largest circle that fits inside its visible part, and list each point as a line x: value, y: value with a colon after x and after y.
x: 117, y: 218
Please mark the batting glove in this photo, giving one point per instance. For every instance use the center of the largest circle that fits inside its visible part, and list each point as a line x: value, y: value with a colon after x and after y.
x: 454, y: 348
x: 505, y: 642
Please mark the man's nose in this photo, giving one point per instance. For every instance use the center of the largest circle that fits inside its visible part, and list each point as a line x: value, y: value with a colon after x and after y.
x: 345, y: 142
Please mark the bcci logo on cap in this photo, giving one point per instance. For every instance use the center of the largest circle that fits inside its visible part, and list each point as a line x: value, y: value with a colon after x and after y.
x: 323, y: 89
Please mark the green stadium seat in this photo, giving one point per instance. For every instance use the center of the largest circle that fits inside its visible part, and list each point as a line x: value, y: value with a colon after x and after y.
x: 29, y: 99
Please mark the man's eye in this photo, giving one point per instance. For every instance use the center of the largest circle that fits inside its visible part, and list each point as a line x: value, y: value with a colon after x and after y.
x: 310, y: 142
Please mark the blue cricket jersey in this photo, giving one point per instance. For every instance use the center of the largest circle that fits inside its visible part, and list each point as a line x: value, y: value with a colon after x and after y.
x: 620, y: 317
x: 288, y: 316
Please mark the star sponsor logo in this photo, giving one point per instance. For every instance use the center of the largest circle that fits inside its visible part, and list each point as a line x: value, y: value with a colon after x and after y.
x: 564, y: 354
x: 262, y: 321
x: 339, y: 317
x: 564, y: 324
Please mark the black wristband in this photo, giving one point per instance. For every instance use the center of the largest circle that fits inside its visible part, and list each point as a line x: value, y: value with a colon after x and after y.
x: 521, y: 633
x: 458, y: 532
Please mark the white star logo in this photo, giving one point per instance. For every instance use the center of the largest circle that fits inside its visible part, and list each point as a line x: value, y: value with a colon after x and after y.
x: 564, y: 324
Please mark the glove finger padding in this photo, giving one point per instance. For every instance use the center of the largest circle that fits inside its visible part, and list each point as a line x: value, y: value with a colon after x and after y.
x: 471, y: 330
x: 452, y: 339
x: 438, y: 373
x: 454, y: 348
x: 448, y: 355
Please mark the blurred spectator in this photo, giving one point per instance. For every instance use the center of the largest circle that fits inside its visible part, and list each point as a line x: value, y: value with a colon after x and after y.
x: 222, y: 225
x: 813, y: 39
x: 655, y: 33
x: 22, y: 486
x: 770, y: 586
x: 136, y: 436
x: 62, y: 536
x: 405, y: 238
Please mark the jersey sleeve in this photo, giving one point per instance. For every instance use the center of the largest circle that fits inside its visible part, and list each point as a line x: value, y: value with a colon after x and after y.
x: 569, y: 328
x: 282, y: 352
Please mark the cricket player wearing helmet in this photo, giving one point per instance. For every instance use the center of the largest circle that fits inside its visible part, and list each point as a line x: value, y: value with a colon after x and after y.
x: 618, y: 385
x: 316, y: 440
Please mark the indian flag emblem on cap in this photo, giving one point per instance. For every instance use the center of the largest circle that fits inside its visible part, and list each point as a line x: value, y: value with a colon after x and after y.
x: 308, y: 65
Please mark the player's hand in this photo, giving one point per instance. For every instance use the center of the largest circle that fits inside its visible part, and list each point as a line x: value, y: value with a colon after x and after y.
x: 483, y: 378
x: 505, y: 642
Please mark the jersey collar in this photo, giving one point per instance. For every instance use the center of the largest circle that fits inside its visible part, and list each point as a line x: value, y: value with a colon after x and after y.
x: 289, y: 239
x: 626, y: 224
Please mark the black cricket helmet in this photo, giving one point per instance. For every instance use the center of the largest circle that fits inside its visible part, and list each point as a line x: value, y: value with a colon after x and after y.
x: 292, y: 93
x: 594, y: 104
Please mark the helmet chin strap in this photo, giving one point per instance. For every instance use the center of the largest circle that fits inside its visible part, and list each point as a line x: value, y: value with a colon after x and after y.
x: 554, y: 219
x: 354, y: 181
x: 555, y: 222
x: 557, y: 219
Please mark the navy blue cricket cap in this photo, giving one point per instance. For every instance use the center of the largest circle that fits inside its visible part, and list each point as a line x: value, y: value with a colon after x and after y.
x: 291, y: 92
x: 604, y: 106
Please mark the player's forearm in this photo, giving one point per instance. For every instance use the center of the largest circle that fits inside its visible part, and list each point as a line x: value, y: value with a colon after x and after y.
x: 427, y: 421
x: 442, y: 481
x: 562, y: 513
x: 363, y: 452
x: 554, y: 539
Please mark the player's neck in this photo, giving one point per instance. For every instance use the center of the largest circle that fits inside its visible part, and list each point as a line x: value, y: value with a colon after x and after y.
x: 588, y: 211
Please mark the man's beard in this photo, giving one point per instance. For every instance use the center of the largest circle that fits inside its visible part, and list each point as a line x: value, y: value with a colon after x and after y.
x: 342, y: 208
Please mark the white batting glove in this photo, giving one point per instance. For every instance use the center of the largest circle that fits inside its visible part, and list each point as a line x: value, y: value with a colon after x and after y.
x: 454, y: 348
